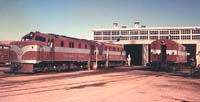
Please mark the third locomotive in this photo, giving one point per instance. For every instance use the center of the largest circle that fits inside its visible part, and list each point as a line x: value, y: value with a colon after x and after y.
x: 167, y: 53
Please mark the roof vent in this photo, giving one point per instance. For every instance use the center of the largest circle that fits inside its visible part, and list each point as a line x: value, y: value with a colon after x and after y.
x: 115, y: 25
x: 123, y: 26
x: 136, y: 24
x: 143, y: 26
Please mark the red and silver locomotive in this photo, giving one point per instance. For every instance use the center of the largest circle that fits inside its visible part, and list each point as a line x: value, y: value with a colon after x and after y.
x: 166, y: 53
x: 42, y: 52
x: 4, y: 53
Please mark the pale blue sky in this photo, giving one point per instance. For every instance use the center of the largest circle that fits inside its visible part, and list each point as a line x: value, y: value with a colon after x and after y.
x: 77, y: 18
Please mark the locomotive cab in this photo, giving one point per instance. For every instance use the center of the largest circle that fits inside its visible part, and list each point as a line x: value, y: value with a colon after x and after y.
x: 36, y: 37
x: 29, y: 51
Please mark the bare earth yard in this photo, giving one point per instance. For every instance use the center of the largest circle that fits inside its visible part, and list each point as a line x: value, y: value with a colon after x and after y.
x: 112, y: 85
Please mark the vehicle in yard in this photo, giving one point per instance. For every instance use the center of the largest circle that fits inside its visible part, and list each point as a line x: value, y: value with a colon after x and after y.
x: 4, y: 54
x: 166, y: 53
x: 39, y: 52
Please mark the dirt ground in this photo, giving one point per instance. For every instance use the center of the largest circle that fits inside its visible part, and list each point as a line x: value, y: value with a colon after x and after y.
x: 111, y: 85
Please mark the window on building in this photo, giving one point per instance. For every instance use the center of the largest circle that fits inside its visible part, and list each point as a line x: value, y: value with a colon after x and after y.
x: 143, y: 32
x: 97, y: 33
x: 106, y: 33
x: 97, y: 38
x: 195, y: 36
x: 185, y: 37
x: 185, y: 31
x: 115, y: 37
x: 133, y: 37
x: 124, y: 33
x: 134, y: 33
x: 163, y: 37
x: 174, y: 31
x: 124, y: 38
x: 143, y: 37
x: 164, y: 32
x: 196, y: 31
x: 106, y: 38
x: 115, y: 32
x: 153, y: 32
x: 62, y: 43
x: 153, y: 37
x: 174, y: 37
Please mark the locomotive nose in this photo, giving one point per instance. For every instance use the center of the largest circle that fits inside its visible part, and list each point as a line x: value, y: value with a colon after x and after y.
x: 19, y: 52
x: 22, y: 49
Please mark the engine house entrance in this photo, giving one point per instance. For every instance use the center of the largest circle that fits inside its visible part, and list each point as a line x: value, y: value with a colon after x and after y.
x: 135, y: 51
x: 191, y: 49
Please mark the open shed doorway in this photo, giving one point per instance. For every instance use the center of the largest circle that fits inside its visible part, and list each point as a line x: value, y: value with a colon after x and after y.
x: 135, y: 51
x: 191, y: 49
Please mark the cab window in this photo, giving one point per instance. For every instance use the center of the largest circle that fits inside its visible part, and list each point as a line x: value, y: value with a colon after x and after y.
x: 28, y: 37
x: 39, y: 38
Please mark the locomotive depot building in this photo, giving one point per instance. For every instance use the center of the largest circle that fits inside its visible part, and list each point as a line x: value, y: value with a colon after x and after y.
x: 137, y: 39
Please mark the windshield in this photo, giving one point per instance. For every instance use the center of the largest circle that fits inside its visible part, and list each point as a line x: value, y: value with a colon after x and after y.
x: 27, y: 37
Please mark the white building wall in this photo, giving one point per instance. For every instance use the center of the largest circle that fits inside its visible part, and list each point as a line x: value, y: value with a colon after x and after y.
x: 145, y: 54
x: 198, y: 54
x: 145, y: 42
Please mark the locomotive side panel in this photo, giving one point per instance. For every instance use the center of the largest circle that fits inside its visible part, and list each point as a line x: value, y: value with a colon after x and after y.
x: 115, y: 53
x: 71, y: 50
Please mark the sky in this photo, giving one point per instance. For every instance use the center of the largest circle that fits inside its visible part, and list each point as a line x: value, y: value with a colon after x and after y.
x: 77, y: 18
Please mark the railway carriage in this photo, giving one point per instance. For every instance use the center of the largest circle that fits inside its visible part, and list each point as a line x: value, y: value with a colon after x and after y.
x: 167, y: 53
x: 4, y: 54
x: 43, y: 52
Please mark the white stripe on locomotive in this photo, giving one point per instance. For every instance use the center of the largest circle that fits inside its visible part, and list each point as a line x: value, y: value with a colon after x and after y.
x: 170, y: 52
x: 21, y: 51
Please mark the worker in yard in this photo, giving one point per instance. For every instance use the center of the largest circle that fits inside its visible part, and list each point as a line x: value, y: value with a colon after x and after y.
x: 129, y: 60
x: 192, y: 65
